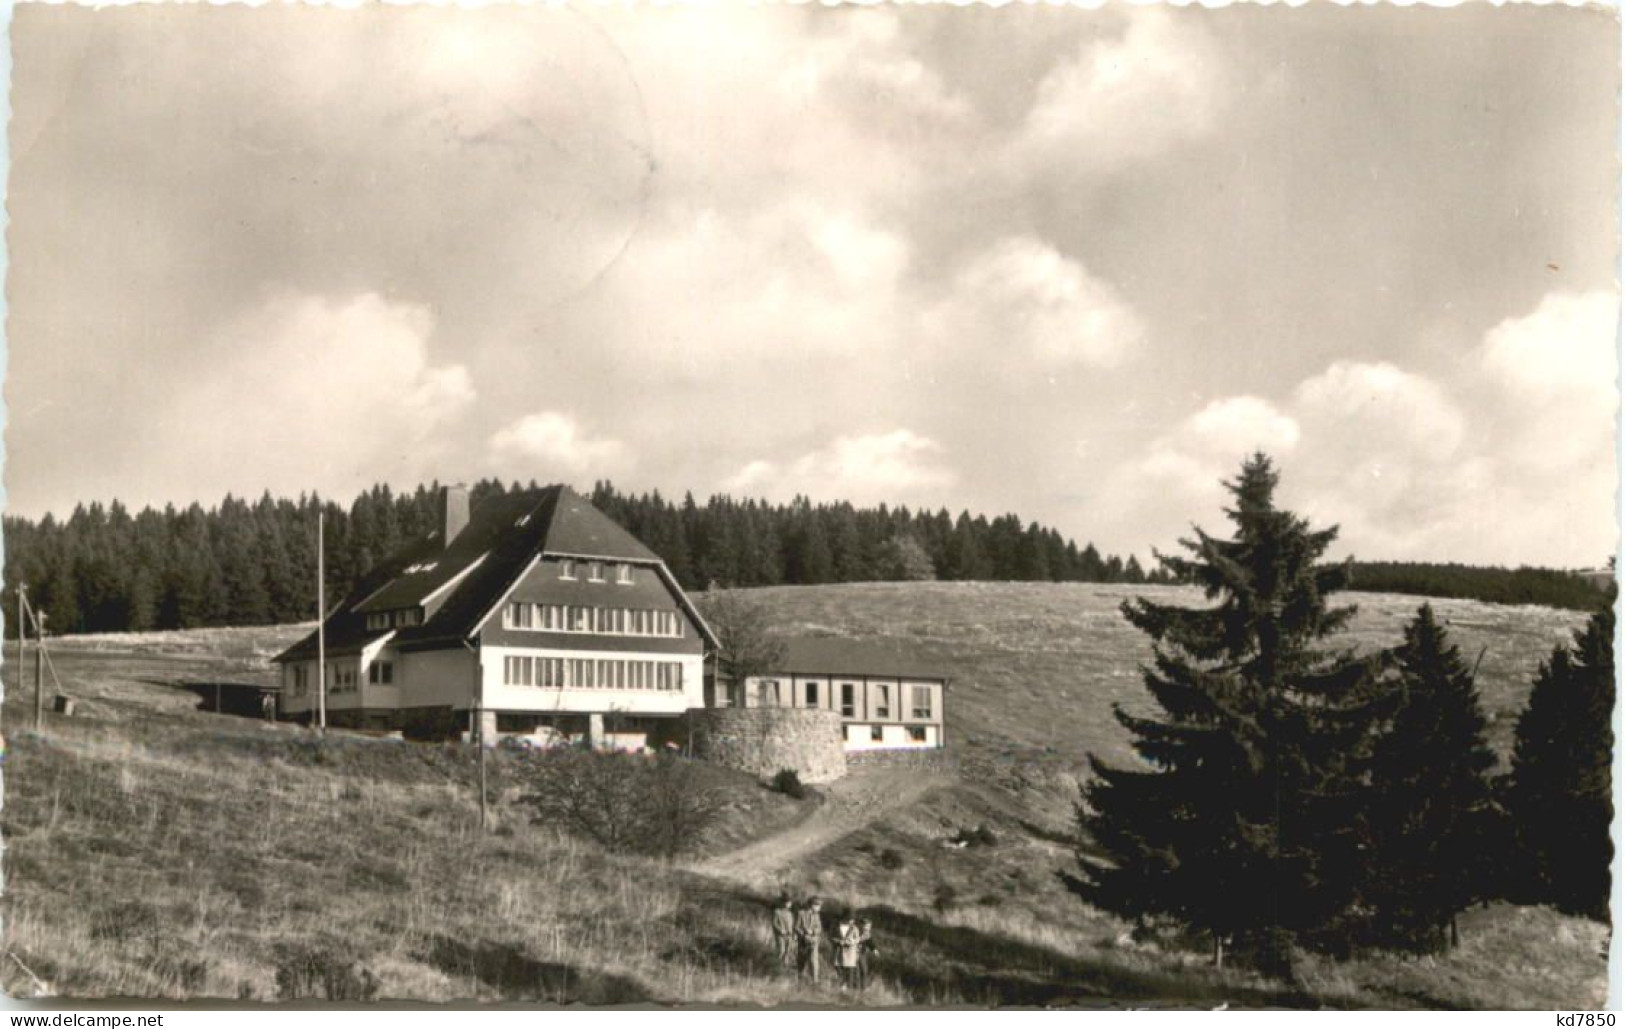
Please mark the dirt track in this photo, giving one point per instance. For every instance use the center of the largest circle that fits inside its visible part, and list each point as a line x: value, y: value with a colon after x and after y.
x: 850, y: 804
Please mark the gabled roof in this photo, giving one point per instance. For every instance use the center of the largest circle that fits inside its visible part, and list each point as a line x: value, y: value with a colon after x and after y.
x: 833, y: 655
x: 484, y: 561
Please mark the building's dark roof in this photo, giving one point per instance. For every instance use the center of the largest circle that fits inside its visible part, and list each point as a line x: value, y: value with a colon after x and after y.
x: 494, y: 549
x: 832, y: 655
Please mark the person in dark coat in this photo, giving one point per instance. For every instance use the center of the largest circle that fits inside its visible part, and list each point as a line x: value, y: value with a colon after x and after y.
x: 809, y: 937
x: 784, y: 931
x: 866, y: 950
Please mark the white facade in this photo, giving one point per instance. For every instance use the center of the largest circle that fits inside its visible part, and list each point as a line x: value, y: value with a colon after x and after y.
x: 878, y: 712
x: 892, y: 737
x: 448, y: 677
x: 501, y: 696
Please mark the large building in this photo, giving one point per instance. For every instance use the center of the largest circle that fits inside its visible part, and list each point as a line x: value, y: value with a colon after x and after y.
x: 887, y: 699
x: 534, y: 613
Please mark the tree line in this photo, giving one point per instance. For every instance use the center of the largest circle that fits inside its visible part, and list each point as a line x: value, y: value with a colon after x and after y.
x: 1293, y: 795
x: 104, y: 569
x: 1548, y: 587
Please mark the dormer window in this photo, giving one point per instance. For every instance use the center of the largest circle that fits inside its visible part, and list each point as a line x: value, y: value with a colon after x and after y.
x: 595, y: 571
x: 409, y: 616
x: 623, y: 574
x: 378, y: 620
x: 567, y: 569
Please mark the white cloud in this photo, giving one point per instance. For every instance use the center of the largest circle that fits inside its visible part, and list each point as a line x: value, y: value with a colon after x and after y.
x: 1234, y: 427
x: 1553, y: 376
x: 1378, y: 409
x: 1131, y: 97
x: 549, y: 444
x: 865, y: 55
x: 309, y: 391
x: 1516, y: 465
x: 1368, y: 446
x: 1181, y: 472
x: 1041, y: 305
x: 785, y: 283
x: 890, y: 467
x: 1385, y: 456
x: 1547, y: 404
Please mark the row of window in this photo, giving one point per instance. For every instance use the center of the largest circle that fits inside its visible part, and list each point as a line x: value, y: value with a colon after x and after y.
x: 618, y: 621
x: 405, y: 616
x: 343, y: 676
x: 771, y: 693
x: 592, y: 673
x: 595, y: 571
x: 877, y: 734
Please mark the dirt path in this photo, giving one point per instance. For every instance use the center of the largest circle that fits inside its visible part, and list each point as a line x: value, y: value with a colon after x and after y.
x: 851, y: 803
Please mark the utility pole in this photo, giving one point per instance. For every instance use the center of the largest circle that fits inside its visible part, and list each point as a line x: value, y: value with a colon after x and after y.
x: 321, y: 624
x: 479, y: 677
x: 39, y: 671
x: 22, y: 633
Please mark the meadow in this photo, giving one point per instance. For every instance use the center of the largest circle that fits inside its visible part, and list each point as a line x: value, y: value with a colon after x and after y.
x: 156, y: 851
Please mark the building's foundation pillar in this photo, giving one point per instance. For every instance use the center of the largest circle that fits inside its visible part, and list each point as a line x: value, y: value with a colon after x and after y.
x: 595, y: 732
x: 487, y: 728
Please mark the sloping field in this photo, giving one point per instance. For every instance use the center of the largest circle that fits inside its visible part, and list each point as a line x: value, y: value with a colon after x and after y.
x: 152, y: 850
x: 1037, y: 666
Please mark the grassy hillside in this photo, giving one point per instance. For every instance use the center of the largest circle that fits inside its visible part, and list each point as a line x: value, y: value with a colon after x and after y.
x: 1038, y: 666
x: 156, y: 851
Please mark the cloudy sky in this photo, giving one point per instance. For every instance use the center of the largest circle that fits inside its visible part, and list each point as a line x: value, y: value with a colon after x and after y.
x: 1065, y: 263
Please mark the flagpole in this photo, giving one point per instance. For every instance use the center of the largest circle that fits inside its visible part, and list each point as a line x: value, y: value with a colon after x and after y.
x: 321, y: 624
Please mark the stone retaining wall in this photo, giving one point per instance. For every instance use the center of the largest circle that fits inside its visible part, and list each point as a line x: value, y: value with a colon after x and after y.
x: 765, y: 740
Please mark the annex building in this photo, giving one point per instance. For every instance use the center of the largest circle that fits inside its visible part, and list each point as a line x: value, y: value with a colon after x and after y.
x: 887, y: 699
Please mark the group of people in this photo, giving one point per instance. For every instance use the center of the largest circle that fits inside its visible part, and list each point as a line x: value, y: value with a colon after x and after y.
x: 798, y: 936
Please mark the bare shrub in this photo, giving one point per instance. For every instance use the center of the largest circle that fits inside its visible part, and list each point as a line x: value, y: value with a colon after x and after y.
x: 656, y: 805
x: 746, y: 645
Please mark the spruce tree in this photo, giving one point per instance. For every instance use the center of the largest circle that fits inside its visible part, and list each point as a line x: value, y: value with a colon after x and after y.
x: 1032, y: 556
x: 1091, y: 567
x: 1560, y: 794
x: 1132, y: 572
x: 1430, y: 816
x: 1239, y: 820
x: 966, y: 560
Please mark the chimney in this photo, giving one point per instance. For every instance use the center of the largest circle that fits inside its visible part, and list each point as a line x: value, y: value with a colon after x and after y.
x: 453, y: 513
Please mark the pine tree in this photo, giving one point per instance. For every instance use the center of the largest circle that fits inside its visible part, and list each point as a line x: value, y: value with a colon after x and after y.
x: 966, y: 560
x: 194, y: 593
x: 1032, y: 556
x: 1239, y: 821
x: 846, y: 546
x: 242, y: 565
x: 1560, y: 795
x: 1431, y: 817
x: 808, y: 554
x: 1090, y: 566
